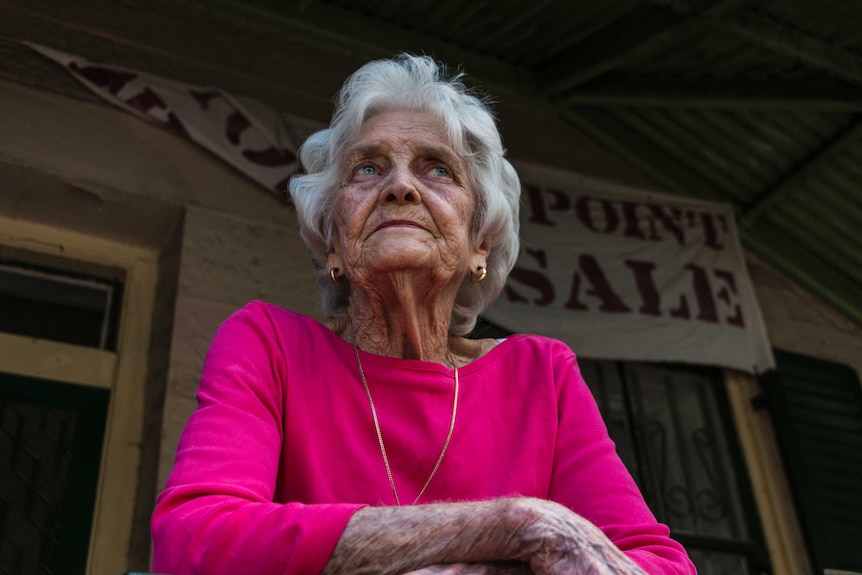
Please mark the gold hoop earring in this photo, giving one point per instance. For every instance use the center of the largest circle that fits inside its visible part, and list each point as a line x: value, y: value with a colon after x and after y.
x: 334, y: 277
x: 483, y: 273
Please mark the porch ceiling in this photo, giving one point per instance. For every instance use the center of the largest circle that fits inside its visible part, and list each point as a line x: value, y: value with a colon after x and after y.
x: 755, y: 103
x: 758, y: 104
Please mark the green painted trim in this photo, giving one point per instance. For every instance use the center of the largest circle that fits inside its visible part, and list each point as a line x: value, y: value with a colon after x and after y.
x: 816, y: 407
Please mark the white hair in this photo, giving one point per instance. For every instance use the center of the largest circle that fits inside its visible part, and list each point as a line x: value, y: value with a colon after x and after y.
x: 409, y: 82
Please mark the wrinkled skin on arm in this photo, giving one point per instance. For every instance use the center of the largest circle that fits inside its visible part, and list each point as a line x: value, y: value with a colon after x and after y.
x: 516, y: 536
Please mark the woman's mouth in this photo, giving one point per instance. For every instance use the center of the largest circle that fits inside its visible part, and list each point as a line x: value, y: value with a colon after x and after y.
x: 398, y: 223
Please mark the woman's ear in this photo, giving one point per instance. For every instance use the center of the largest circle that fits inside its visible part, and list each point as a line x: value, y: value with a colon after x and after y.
x: 479, y: 261
x: 482, y: 250
x: 334, y: 261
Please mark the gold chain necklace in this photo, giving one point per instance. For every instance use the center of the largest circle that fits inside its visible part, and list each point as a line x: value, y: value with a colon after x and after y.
x: 380, y: 434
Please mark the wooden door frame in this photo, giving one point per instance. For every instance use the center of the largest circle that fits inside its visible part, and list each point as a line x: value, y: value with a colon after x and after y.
x: 122, y: 372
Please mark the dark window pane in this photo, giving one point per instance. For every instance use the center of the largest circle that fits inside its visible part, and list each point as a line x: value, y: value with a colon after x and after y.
x: 715, y: 563
x: 603, y: 379
x: 50, y: 448
x: 46, y: 305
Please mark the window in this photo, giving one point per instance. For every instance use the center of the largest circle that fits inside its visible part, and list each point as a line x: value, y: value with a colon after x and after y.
x: 50, y: 448
x: 59, y: 306
x: 84, y: 381
x: 51, y: 432
x: 673, y: 430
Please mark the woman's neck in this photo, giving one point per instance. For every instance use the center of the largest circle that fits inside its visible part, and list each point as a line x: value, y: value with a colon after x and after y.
x: 398, y: 317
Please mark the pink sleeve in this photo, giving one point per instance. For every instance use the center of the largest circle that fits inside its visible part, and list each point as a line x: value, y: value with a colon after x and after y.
x: 217, y: 515
x: 590, y: 479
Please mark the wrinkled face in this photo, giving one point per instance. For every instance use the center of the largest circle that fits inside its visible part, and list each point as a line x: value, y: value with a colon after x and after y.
x: 404, y: 201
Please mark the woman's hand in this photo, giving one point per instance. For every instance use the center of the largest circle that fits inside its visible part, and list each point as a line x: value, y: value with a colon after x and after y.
x: 556, y: 541
x: 516, y: 536
x: 496, y: 568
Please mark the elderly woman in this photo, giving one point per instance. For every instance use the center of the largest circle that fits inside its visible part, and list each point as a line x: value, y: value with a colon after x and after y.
x: 384, y: 441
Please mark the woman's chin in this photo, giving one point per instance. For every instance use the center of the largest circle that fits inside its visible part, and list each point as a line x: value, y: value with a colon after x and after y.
x: 401, y: 264
x: 404, y: 255
x: 419, y: 262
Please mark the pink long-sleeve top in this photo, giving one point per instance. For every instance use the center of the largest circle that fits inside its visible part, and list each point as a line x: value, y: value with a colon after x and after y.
x: 282, y: 448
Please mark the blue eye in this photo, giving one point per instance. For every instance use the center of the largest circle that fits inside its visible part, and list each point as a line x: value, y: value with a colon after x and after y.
x: 441, y: 172
x: 366, y: 171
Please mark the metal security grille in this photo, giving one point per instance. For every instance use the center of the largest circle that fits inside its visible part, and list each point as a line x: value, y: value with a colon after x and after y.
x: 672, y: 429
x: 50, y: 445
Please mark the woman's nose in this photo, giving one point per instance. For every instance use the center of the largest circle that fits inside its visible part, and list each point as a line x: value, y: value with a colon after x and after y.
x: 400, y: 188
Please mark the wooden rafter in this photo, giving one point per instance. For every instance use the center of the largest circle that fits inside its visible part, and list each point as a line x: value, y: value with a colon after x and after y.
x: 851, y: 135
x: 380, y: 40
x: 812, y: 52
x: 635, y: 147
x: 737, y: 95
x: 644, y: 31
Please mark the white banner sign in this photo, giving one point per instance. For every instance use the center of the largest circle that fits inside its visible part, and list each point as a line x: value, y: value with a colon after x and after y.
x: 248, y: 135
x: 627, y: 275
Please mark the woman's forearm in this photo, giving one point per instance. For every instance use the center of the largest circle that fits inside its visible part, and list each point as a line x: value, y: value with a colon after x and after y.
x: 544, y: 536
x: 394, y: 540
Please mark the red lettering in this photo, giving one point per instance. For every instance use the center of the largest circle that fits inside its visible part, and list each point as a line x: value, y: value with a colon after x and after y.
x: 147, y: 99
x: 670, y: 222
x: 632, y: 227
x: 270, y: 157
x: 111, y: 80
x: 691, y: 218
x: 538, y: 209
x: 536, y: 202
x: 574, y: 300
x: 562, y: 202
x: 703, y: 294
x: 698, y: 301
x: 681, y: 309
x: 532, y: 279
x: 600, y: 287
x: 724, y: 294
x: 650, y: 300
x: 235, y: 125
x: 175, y: 124
x: 710, y: 232
x: 630, y: 219
x: 609, y: 222
x: 204, y: 97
